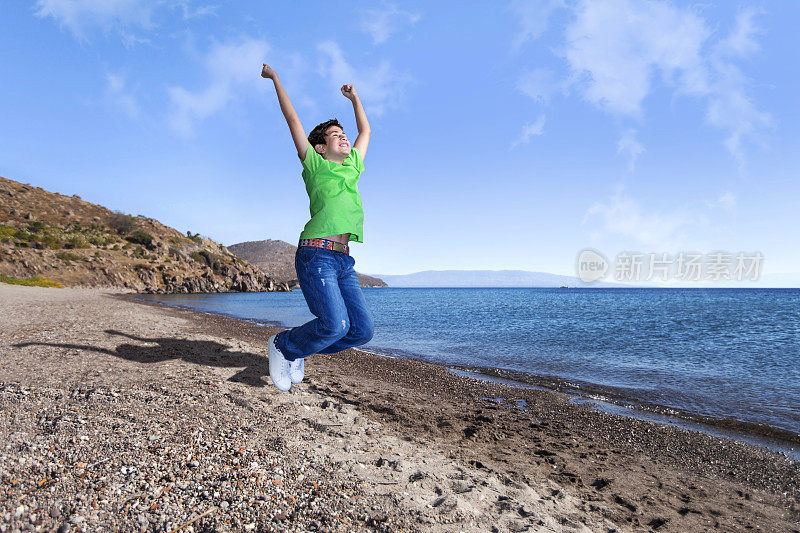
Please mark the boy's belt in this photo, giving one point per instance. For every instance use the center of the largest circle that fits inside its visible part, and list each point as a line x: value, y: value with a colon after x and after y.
x: 325, y: 243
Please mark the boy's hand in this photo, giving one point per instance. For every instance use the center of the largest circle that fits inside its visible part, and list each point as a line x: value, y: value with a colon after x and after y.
x: 267, y: 72
x: 349, y: 92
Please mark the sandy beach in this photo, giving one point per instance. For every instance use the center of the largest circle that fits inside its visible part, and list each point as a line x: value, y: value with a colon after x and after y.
x: 118, y: 414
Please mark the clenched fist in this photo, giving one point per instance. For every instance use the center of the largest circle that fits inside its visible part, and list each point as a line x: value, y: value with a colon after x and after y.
x: 267, y: 72
x: 349, y: 92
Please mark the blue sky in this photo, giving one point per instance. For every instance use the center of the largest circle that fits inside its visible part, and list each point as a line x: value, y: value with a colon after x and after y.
x: 504, y: 135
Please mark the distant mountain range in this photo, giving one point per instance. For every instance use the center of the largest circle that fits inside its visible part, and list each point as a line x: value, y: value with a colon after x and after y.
x: 485, y: 278
x: 524, y: 278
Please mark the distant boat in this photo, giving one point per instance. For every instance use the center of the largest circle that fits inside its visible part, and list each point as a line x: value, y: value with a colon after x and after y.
x: 563, y: 287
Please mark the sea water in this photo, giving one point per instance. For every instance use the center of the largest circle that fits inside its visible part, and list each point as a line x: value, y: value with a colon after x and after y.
x: 729, y: 353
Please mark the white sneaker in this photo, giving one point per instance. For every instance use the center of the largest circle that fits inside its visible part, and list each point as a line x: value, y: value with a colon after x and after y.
x: 278, y: 366
x: 297, y: 370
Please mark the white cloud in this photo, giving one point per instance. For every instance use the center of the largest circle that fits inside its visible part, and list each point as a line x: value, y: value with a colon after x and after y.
x: 379, y: 87
x: 726, y: 200
x: 118, y: 94
x: 623, y: 216
x: 620, y: 45
x: 233, y: 70
x: 741, y: 42
x: 190, y: 12
x: 528, y: 131
x: 540, y: 84
x: 125, y: 17
x: 617, y: 50
x: 380, y: 24
x: 80, y: 16
x: 626, y: 222
x: 533, y: 16
x: 630, y: 146
x: 733, y: 111
x: 729, y: 107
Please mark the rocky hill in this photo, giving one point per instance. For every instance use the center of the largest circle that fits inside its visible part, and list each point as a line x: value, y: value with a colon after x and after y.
x: 78, y: 243
x: 277, y: 258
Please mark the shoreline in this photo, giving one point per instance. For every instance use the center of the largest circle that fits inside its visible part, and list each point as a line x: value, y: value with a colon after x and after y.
x: 120, y: 413
x: 754, y: 434
x: 604, y: 398
x: 704, y: 448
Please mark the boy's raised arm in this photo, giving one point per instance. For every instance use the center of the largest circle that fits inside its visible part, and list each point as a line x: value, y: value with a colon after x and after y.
x: 361, y: 119
x: 295, y: 127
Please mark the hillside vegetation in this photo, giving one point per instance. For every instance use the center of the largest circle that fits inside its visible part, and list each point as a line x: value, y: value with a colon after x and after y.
x: 77, y: 243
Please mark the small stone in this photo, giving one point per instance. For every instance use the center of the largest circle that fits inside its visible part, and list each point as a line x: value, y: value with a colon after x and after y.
x: 517, y: 526
x: 526, y: 510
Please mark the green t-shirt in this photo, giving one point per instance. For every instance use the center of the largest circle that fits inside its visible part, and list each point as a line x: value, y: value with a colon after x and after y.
x: 335, y: 203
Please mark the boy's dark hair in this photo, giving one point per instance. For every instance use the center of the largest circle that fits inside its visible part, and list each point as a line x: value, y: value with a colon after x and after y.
x: 317, y: 135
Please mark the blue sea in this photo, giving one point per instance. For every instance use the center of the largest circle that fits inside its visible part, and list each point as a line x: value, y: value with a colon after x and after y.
x: 726, y: 353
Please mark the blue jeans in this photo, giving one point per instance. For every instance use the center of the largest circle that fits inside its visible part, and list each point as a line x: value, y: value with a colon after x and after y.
x: 330, y: 287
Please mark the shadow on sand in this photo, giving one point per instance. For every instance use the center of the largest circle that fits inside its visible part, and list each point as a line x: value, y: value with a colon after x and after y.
x: 208, y: 353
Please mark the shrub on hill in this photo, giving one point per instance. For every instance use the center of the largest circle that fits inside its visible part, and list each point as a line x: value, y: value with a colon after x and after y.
x: 67, y: 256
x: 122, y: 223
x: 140, y: 237
x: 76, y: 241
x: 209, y: 259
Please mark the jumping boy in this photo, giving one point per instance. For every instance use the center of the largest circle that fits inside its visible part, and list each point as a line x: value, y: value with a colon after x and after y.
x: 331, y: 168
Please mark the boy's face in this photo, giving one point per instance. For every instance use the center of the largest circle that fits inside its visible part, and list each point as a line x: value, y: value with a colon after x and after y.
x: 336, y: 142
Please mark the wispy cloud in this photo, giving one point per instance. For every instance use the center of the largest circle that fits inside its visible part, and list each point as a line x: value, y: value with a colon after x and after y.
x: 125, y: 17
x: 730, y: 108
x: 119, y: 95
x: 539, y: 84
x: 533, y: 17
x: 629, y: 146
x: 195, y: 11
x: 81, y: 16
x: 632, y: 223
x: 741, y: 41
x: 529, y: 130
x: 381, y: 23
x: 616, y: 51
x: 618, y: 46
x: 380, y: 87
x: 726, y: 200
x: 624, y: 217
x: 233, y: 71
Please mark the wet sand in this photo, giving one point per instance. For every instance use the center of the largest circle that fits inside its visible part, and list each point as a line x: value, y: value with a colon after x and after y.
x: 390, y: 444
